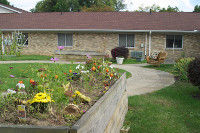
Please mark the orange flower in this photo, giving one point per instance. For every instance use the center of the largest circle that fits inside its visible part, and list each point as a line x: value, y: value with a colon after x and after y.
x: 98, y: 67
x: 56, y: 76
x: 31, y: 81
x: 111, y: 75
x: 95, y: 64
x: 21, y: 82
x: 45, y: 75
x: 93, y: 68
x: 70, y: 71
x: 41, y: 75
x: 107, y: 70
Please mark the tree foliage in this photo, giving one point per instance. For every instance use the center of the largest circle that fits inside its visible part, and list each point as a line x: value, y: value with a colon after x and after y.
x: 78, y: 5
x: 157, y: 8
x: 197, y: 8
x: 170, y: 9
x: 5, y: 2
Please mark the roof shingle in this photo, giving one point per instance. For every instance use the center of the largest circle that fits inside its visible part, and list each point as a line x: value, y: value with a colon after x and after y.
x: 102, y: 20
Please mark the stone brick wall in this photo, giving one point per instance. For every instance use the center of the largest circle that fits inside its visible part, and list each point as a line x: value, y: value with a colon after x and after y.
x: 44, y: 43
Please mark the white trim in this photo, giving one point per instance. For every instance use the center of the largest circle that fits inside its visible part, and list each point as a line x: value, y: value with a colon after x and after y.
x: 149, y: 43
x: 2, y: 43
x: 10, y: 9
x: 104, y: 30
x: 145, y: 45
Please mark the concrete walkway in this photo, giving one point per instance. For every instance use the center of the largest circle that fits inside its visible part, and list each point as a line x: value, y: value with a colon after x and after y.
x: 143, y: 80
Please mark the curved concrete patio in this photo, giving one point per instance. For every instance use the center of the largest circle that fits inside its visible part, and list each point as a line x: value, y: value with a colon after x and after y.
x: 145, y: 80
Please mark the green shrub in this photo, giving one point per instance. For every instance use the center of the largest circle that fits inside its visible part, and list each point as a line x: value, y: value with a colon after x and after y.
x: 194, y: 72
x: 181, y: 68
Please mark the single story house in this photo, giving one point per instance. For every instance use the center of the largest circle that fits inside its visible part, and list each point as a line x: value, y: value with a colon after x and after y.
x: 177, y: 33
x: 10, y: 9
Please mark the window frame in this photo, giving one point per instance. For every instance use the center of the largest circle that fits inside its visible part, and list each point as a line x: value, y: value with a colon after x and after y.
x: 174, y: 39
x: 126, y: 39
x: 65, y: 39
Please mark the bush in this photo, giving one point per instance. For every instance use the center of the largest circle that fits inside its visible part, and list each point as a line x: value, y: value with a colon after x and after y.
x: 120, y: 51
x: 181, y: 68
x: 194, y: 72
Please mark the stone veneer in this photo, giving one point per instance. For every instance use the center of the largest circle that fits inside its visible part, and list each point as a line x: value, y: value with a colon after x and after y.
x: 44, y: 43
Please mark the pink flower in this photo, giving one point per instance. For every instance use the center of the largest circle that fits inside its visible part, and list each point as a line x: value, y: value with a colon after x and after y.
x: 54, y: 59
x: 61, y: 47
x: 12, y: 76
x: 89, y: 57
x: 84, y: 111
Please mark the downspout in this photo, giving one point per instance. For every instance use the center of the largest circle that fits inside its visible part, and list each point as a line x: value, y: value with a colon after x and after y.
x: 2, y: 44
x: 145, y: 51
x: 149, y: 43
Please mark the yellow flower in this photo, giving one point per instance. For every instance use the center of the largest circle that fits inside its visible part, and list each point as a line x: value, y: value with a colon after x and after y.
x: 41, y: 97
x: 74, y: 102
x: 73, y: 96
x: 77, y: 93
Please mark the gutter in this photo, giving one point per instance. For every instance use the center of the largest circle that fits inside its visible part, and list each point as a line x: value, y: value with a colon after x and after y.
x: 102, y: 30
x: 10, y: 9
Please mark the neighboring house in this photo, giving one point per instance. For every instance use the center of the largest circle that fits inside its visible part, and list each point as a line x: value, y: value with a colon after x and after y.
x: 176, y: 33
x: 10, y: 9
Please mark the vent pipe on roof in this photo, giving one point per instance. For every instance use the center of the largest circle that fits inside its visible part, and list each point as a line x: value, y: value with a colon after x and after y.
x: 61, y: 13
x: 150, y: 11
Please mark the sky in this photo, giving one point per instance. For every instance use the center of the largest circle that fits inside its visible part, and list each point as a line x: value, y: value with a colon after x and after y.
x: 183, y: 5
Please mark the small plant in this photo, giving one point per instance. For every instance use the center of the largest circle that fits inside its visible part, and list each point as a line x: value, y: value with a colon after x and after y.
x: 194, y: 72
x: 181, y: 68
x: 120, y: 52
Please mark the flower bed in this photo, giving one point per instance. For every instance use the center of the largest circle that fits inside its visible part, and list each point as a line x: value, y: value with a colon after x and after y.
x: 55, y: 98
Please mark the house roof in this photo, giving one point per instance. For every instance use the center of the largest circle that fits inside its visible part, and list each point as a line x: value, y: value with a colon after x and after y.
x: 14, y: 9
x: 110, y: 21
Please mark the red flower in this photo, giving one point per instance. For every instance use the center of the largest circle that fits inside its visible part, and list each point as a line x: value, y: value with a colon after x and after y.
x: 65, y: 73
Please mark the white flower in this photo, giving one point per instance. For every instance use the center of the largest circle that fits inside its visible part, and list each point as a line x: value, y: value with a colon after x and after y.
x: 111, y: 66
x: 77, y: 67
x: 11, y: 91
x: 85, y: 71
x: 20, y: 85
x: 82, y: 67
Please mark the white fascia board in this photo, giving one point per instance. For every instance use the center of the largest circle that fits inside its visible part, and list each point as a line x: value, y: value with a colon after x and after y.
x: 10, y: 9
x: 101, y: 30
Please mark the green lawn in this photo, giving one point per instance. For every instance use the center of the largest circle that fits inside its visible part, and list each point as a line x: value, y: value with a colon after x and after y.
x: 170, y: 110
x: 163, y: 67
x: 129, y: 61
x: 25, y: 70
x: 25, y: 57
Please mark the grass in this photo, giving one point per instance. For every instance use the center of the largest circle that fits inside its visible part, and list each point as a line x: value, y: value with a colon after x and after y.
x: 170, y: 110
x: 128, y: 74
x: 25, y: 57
x: 25, y: 70
x: 130, y: 61
x: 163, y: 67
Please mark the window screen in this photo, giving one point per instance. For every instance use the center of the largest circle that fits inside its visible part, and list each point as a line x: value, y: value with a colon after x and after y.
x: 126, y: 40
x: 64, y: 39
x: 175, y: 40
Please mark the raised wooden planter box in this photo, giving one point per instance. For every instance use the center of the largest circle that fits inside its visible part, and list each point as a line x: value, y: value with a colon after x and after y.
x: 105, y: 116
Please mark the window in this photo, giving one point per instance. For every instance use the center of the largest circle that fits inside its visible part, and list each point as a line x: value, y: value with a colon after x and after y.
x: 25, y: 38
x: 175, y: 40
x: 64, y: 39
x: 126, y: 40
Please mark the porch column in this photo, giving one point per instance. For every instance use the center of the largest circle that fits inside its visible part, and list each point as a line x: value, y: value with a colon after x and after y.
x: 149, y: 43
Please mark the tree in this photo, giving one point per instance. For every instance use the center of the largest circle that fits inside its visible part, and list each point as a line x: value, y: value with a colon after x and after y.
x: 78, y: 5
x: 197, y: 8
x: 5, y: 2
x: 156, y: 8
x: 170, y: 9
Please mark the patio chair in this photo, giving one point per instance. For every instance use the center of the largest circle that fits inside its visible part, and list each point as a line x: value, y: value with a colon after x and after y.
x: 160, y: 59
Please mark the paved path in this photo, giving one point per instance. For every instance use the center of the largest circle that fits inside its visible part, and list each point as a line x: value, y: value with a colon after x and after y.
x: 143, y: 80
